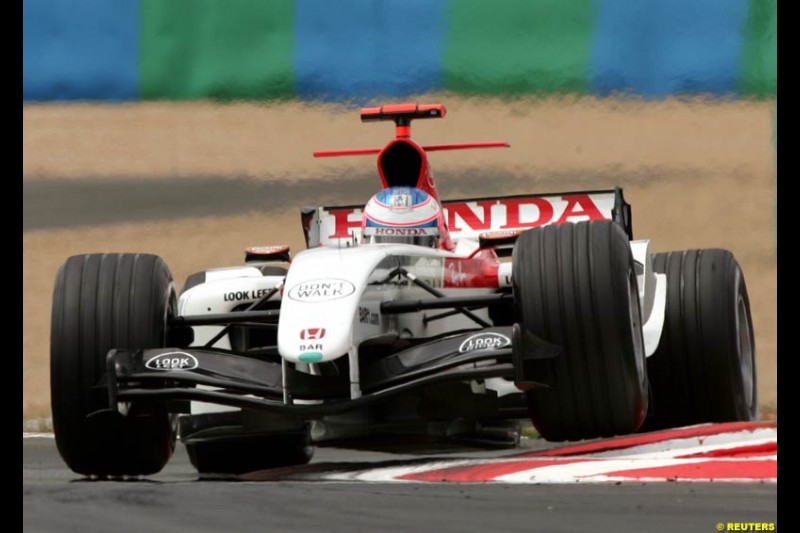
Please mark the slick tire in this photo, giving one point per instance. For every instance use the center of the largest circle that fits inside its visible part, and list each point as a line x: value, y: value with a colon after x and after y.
x: 100, y: 302
x: 575, y: 287
x: 704, y: 367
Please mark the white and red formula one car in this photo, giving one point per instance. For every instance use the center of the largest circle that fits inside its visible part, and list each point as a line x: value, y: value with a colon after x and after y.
x: 410, y: 315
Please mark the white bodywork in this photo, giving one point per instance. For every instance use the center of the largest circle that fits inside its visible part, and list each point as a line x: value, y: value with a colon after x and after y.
x: 224, y: 289
x: 652, y: 295
x: 332, y: 294
x: 339, y: 284
x: 331, y: 283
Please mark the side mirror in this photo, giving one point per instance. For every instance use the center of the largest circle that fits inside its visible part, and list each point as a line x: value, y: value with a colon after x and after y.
x: 501, y: 241
x: 265, y: 254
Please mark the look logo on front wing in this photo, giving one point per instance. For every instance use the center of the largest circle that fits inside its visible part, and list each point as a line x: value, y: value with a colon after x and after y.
x: 172, y: 361
x: 484, y: 341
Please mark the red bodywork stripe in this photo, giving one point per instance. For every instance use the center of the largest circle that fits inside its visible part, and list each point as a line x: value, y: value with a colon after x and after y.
x: 355, y: 151
x: 391, y: 109
x: 434, y: 107
x: 432, y: 148
x: 465, y: 146
x: 474, y: 272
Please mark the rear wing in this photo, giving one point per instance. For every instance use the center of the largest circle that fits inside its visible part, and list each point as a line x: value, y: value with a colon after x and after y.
x: 475, y: 217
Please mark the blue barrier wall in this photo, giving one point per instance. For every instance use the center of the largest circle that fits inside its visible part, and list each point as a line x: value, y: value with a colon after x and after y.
x: 667, y: 46
x: 361, y: 49
x: 80, y: 50
x: 390, y: 48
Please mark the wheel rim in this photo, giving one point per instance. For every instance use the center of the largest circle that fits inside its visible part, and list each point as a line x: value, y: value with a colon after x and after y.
x: 745, y: 352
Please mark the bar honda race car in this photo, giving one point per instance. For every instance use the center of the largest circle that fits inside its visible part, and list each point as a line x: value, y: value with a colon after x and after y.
x: 407, y: 316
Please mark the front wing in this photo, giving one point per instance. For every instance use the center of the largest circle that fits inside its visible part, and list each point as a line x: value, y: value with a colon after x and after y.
x: 225, y: 378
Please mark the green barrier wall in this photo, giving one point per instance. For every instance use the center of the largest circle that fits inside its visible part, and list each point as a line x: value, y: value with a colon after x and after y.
x: 241, y: 49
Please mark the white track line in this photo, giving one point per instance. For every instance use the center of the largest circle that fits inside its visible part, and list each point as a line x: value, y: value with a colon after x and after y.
x: 690, y: 445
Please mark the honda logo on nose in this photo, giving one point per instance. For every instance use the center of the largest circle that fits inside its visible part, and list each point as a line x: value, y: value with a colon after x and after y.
x: 310, y: 334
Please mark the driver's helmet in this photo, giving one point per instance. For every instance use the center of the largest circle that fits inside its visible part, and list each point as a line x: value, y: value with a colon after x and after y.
x: 404, y: 215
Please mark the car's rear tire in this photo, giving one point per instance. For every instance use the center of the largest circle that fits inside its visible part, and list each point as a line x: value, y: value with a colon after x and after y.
x: 575, y: 287
x: 100, y: 302
x: 704, y: 367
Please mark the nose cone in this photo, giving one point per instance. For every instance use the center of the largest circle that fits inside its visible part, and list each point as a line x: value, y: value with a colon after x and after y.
x: 316, y: 319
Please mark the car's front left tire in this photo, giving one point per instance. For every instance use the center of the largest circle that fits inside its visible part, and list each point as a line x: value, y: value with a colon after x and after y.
x: 100, y: 302
x: 575, y: 287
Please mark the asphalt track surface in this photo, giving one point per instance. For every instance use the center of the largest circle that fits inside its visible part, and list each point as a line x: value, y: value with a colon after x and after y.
x: 55, y: 499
